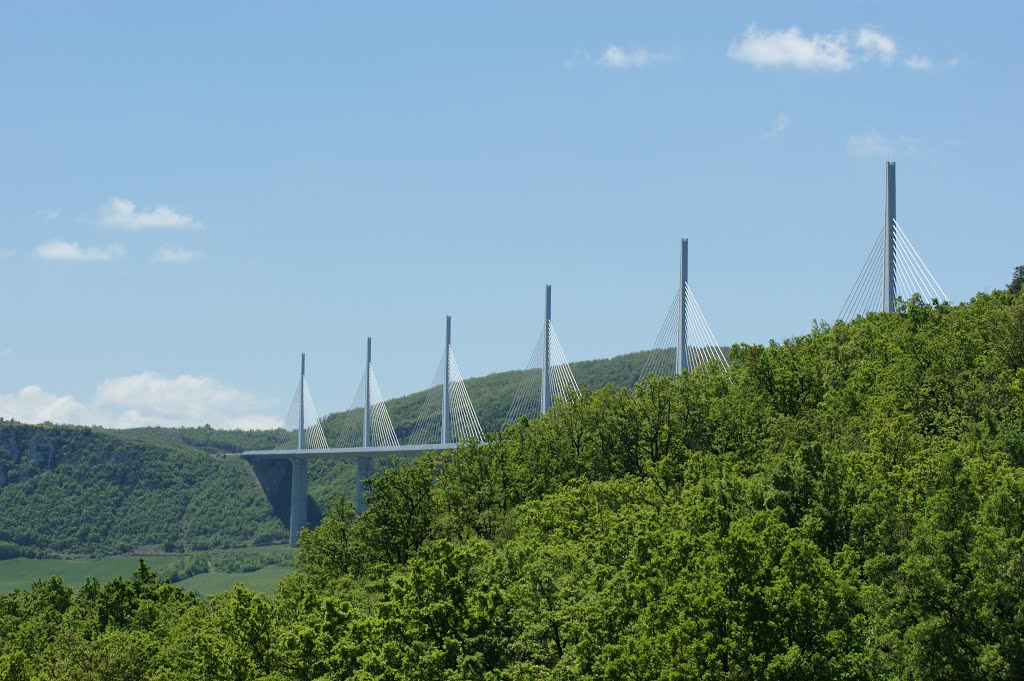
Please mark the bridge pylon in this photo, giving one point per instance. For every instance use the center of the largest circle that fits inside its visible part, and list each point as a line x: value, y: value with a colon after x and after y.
x: 364, y: 465
x: 446, y: 394
x: 545, y: 376
x: 300, y: 478
x: 889, y: 240
x: 682, y: 363
x: 893, y: 267
x: 685, y: 332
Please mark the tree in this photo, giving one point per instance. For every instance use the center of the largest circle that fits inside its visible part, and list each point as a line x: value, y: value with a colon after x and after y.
x: 401, y: 510
x: 1018, y: 280
x: 328, y: 552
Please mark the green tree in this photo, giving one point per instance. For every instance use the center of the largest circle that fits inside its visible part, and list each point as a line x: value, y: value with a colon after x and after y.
x: 401, y: 510
x: 332, y: 550
x: 1018, y: 280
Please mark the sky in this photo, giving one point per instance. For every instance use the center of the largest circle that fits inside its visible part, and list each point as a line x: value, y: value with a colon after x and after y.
x: 194, y: 193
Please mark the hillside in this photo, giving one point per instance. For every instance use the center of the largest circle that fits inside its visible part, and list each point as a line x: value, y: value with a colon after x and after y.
x: 846, y: 504
x: 75, y: 490
x: 67, y: 490
x: 491, y: 396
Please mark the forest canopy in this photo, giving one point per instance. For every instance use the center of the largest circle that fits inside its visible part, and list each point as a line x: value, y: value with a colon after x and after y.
x: 845, y: 504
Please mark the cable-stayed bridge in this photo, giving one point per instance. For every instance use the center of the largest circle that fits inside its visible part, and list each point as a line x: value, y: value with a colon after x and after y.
x: 447, y: 417
x: 893, y: 268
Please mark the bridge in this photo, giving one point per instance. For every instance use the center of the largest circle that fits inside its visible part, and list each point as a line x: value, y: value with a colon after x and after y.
x: 893, y: 268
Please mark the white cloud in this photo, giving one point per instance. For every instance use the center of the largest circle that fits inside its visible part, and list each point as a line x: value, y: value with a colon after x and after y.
x: 145, y: 399
x: 953, y: 62
x: 782, y: 122
x: 32, y: 404
x: 617, y: 58
x: 6, y: 352
x: 7, y: 253
x: 825, y: 51
x: 47, y: 214
x: 792, y: 48
x: 149, y: 398
x: 874, y: 43
x: 918, y: 63
x: 122, y: 213
x: 68, y: 250
x: 174, y: 256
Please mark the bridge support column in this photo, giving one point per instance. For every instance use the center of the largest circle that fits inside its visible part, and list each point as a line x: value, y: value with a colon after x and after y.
x: 364, y: 470
x: 297, y: 517
x: 299, y: 500
x: 681, y: 360
x: 446, y: 395
x: 889, y: 241
x: 364, y: 465
x: 545, y: 375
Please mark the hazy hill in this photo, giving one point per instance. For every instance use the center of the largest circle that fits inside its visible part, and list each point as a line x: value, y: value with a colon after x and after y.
x: 79, y: 490
x: 493, y: 394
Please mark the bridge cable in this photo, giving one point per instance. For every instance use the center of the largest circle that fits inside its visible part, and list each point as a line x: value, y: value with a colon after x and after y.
x: 849, y: 310
x: 927, y: 281
x: 526, y: 392
x: 427, y: 429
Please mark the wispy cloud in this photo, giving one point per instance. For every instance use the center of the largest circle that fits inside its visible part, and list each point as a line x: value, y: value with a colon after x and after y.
x: 616, y: 57
x: 123, y: 214
x: 149, y: 398
x: 6, y: 352
x: 875, y: 44
x: 145, y: 399
x: 839, y: 51
x: 782, y: 122
x: 792, y: 48
x: 918, y: 63
x: 7, y: 252
x: 578, y: 58
x: 32, y: 404
x: 870, y: 143
x: 874, y: 143
x: 71, y: 250
x: 174, y: 256
x: 47, y: 214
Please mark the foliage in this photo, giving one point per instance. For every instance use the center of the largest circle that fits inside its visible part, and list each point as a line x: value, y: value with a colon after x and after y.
x: 846, y: 504
x: 66, y: 490
x: 1017, y: 281
x: 206, y: 439
x: 235, y: 561
x: 491, y: 395
x: 74, y: 490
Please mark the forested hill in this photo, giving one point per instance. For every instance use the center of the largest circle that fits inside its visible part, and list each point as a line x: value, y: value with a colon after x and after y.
x: 847, y: 504
x: 75, y: 490
x: 67, y: 490
x: 493, y: 394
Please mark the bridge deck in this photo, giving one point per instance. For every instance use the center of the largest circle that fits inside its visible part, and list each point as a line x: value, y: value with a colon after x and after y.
x: 346, y: 452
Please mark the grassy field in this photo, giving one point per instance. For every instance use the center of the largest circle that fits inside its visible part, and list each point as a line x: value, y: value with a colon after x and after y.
x: 19, y: 573
x: 263, y: 580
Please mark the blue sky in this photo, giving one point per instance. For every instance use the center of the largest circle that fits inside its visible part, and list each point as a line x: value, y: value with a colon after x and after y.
x: 193, y: 193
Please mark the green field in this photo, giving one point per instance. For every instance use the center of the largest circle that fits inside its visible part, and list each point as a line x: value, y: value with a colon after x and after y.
x: 19, y: 573
x: 263, y: 580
